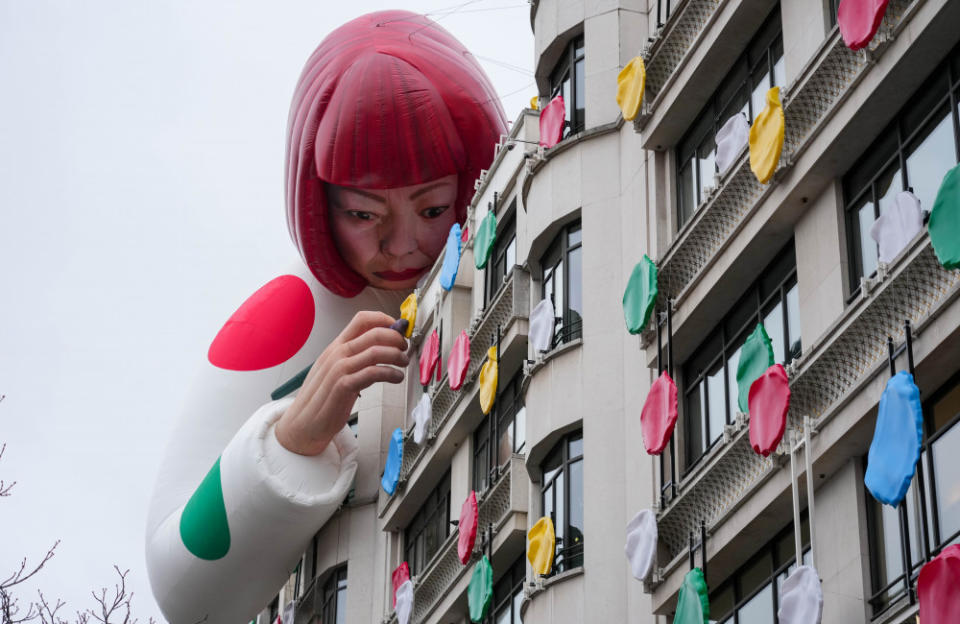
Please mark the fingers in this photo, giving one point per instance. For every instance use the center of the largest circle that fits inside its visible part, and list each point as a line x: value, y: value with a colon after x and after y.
x: 374, y: 337
x: 362, y: 322
x: 366, y: 377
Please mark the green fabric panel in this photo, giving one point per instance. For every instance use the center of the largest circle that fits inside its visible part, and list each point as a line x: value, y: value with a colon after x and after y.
x: 756, y: 357
x: 640, y: 295
x: 944, y: 223
x: 203, y: 523
x: 486, y: 237
x: 693, y: 605
x: 480, y: 590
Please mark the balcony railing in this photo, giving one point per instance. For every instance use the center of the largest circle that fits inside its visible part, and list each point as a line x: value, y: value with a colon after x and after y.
x: 819, y: 90
x: 511, y: 303
x: 506, y: 496
x: 915, y: 288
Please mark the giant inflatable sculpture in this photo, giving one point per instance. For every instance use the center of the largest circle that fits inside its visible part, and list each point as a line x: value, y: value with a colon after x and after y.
x: 391, y: 122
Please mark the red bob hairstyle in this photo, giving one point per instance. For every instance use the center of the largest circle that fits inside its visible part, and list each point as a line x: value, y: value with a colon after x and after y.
x: 387, y: 100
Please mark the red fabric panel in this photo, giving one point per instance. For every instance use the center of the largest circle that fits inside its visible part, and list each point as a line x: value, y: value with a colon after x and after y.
x: 939, y: 588
x: 768, y: 401
x: 467, y: 528
x: 400, y: 575
x: 465, y: 234
x: 659, y: 414
x: 459, y: 361
x: 429, y: 358
x: 551, y: 122
x: 268, y: 329
x: 859, y: 21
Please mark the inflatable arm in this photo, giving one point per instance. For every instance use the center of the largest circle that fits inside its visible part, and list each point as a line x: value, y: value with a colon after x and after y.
x: 232, y: 510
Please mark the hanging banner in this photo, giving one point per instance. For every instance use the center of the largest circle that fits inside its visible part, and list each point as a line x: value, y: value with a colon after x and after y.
x: 541, y: 542
x: 467, y: 528
x: 897, y: 226
x: 630, y: 84
x: 400, y: 574
x: 451, y: 258
x: 480, y: 590
x: 488, y: 381
x: 801, y: 597
x: 732, y: 137
x: 897, y: 438
x: 542, y: 321
x: 944, y: 222
x: 391, y: 472
x: 766, y: 138
x: 403, y: 599
x: 859, y: 21
x: 486, y: 237
x: 422, y: 415
x: 408, y: 311
x: 552, y: 118
x: 937, y: 587
x: 693, y: 604
x: 641, y: 547
x: 459, y: 361
x: 768, y: 402
x: 640, y: 295
x: 659, y: 414
x: 429, y: 358
x: 756, y: 356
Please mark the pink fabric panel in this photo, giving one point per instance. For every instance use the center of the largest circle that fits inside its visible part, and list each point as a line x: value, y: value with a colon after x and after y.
x: 551, y: 122
x: 459, y: 361
x: 859, y: 21
x: 467, y: 528
x: 768, y: 401
x: 659, y: 414
x: 429, y: 358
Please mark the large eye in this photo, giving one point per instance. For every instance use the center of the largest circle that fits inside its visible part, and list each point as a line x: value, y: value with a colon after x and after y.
x: 361, y: 215
x: 434, y: 212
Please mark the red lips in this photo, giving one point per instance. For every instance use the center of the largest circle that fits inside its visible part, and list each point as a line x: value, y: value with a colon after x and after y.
x: 400, y: 276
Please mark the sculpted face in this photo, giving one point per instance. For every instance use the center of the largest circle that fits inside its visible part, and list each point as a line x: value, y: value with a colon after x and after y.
x: 392, y: 236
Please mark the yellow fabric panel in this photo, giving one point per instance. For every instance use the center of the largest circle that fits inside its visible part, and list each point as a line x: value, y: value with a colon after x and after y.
x: 766, y: 138
x: 488, y: 381
x: 535, y: 103
x: 540, y: 545
x: 630, y: 83
x: 408, y: 310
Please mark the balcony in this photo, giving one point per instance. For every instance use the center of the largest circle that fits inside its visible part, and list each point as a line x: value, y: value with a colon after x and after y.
x: 443, y: 582
x: 817, y: 93
x: 827, y: 376
x: 508, y: 311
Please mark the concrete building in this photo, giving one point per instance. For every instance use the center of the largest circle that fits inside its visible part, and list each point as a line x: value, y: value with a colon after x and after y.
x: 564, y: 437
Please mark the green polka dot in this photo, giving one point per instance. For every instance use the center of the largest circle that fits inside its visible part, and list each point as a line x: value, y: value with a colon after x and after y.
x: 945, y: 220
x: 203, y: 523
x: 486, y: 236
x: 756, y: 357
x: 640, y: 295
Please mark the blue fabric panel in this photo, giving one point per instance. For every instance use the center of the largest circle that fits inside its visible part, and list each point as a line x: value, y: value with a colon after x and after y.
x: 895, y: 449
x: 451, y: 258
x: 391, y: 472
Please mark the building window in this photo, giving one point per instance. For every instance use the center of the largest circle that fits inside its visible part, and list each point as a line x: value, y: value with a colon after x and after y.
x: 710, y: 376
x: 562, y: 267
x: 508, y: 595
x: 562, y: 498
x: 504, y: 254
x: 567, y: 80
x: 751, y: 594
x: 506, y: 423
x: 429, y: 528
x: 663, y: 12
x: 274, y: 609
x: 743, y: 90
x: 913, y: 152
x: 930, y: 527
x: 334, y: 593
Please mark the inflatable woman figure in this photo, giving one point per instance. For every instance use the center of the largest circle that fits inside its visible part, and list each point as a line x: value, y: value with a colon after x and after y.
x: 391, y: 123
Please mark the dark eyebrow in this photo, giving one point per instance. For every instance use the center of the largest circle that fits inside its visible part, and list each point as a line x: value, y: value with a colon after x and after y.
x: 366, y: 194
x: 427, y: 189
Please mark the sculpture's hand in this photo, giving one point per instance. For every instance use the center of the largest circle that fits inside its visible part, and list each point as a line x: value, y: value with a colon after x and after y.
x: 355, y: 360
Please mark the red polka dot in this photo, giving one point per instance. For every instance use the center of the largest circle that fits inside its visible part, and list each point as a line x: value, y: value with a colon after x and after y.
x: 268, y: 329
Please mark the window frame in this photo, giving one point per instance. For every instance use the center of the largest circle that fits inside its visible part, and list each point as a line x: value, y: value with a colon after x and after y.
x: 506, y: 591
x: 430, y: 515
x: 495, y: 276
x: 568, y: 329
x: 925, y: 512
x: 880, y: 157
x: 766, y: 47
x: 330, y: 605
x: 566, y: 557
x: 771, y: 288
x: 487, y: 435
x: 566, y: 68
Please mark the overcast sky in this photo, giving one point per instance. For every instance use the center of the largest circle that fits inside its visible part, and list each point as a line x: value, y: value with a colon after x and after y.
x: 141, y: 196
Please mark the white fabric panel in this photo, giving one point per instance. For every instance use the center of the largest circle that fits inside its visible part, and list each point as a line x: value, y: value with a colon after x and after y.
x: 422, y: 414
x: 641, y: 543
x: 541, y: 326
x: 731, y: 139
x: 404, y: 602
x: 289, y: 612
x: 897, y: 226
x: 801, y: 597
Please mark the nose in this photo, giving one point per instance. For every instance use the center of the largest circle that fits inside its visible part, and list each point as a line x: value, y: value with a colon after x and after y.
x: 399, y: 237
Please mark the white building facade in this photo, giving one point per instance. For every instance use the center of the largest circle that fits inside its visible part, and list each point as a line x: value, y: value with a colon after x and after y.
x: 564, y: 437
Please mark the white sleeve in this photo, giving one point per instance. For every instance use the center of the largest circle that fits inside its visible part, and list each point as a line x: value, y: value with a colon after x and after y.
x: 274, y: 501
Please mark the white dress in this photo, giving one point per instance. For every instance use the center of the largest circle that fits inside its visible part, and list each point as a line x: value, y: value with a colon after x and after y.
x: 274, y: 500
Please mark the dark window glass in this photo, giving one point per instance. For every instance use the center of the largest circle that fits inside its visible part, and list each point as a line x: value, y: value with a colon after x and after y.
x: 709, y: 377
x: 429, y: 527
x: 749, y: 595
x: 743, y: 90
x: 932, y: 527
x: 562, y: 268
x: 505, y: 424
x: 334, y: 595
x: 561, y: 495
x: 504, y: 254
x: 912, y: 153
x: 508, y: 595
x: 568, y: 80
